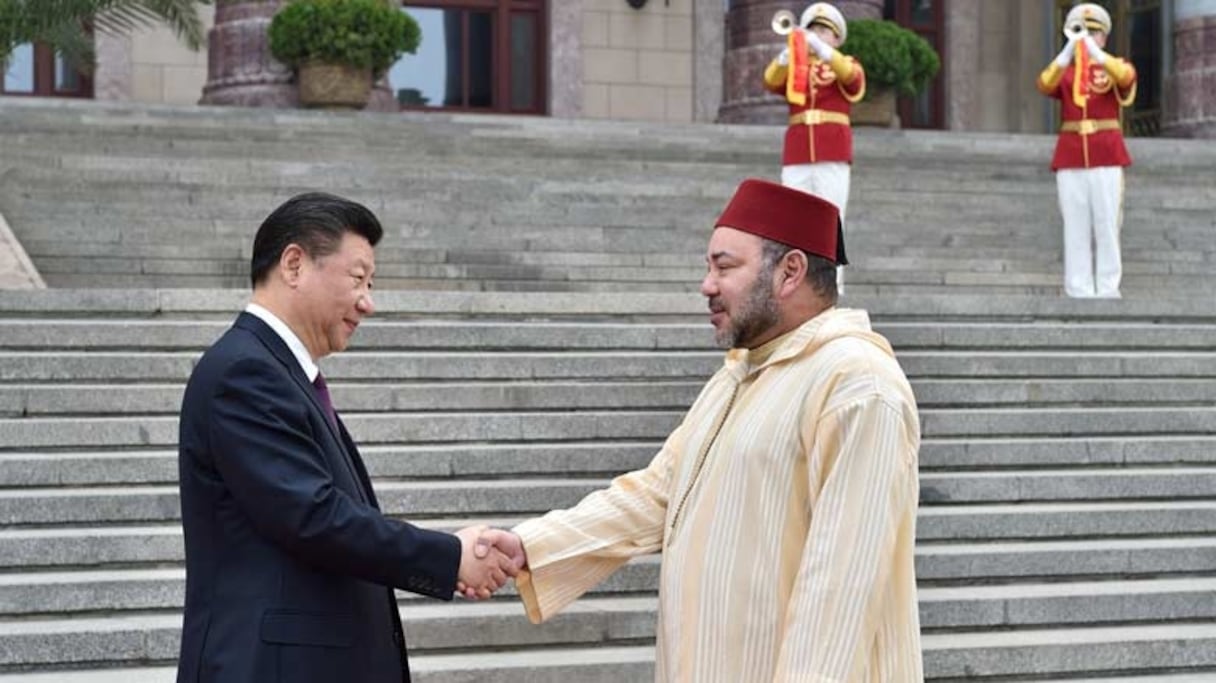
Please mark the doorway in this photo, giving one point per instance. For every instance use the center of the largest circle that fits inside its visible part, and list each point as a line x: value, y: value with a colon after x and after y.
x: 476, y: 55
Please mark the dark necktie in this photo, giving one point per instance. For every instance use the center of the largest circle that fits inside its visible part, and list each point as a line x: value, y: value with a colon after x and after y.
x: 323, y: 396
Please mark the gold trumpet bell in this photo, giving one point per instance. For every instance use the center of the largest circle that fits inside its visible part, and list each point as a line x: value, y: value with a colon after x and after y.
x: 784, y: 22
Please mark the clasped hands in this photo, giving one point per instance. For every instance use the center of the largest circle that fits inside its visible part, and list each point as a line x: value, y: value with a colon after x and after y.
x: 817, y: 45
x: 488, y: 557
x: 1095, y: 52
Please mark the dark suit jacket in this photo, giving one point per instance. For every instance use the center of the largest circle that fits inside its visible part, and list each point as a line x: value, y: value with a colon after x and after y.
x: 289, y: 563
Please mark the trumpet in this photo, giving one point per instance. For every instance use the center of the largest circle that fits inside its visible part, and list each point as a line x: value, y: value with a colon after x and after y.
x: 1075, y: 30
x: 784, y: 22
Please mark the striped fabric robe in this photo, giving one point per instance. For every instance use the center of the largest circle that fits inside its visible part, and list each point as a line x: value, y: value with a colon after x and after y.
x: 785, y: 508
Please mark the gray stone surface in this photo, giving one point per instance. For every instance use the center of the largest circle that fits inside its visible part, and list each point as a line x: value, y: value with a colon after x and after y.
x: 516, y: 187
x: 17, y: 271
x: 1064, y: 520
x: 1143, y: 648
x: 123, y: 675
x: 1068, y: 452
x: 996, y: 561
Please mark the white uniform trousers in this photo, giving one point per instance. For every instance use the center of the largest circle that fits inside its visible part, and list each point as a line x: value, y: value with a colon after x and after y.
x: 828, y: 180
x: 1091, y: 203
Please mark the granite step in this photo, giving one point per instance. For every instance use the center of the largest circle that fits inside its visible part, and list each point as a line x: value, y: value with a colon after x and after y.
x: 57, y: 334
x: 383, y: 427
x: 107, y: 465
x: 84, y: 366
x: 976, y: 656
x: 58, y: 400
x: 1166, y: 504
x: 940, y: 562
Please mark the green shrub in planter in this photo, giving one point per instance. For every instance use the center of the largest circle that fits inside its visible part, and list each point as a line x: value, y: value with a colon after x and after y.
x: 892, y: 56
x: 365, y: 34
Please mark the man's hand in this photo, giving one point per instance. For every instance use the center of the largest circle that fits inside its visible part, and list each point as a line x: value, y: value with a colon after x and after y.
x: 504, y: 541
x: 483, y: 569
x: 820, y: 47
x: 1065, y: 57
x: 1095, y: 52
x: 497, y: 542
x: 784, y: 58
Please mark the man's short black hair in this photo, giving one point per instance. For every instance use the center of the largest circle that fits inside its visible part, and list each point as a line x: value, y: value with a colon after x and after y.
x: 314, y: 220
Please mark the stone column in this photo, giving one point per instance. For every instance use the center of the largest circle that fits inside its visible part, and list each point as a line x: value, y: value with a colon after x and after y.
x: 112, y: 79
x: 1190, y: 89
x: 240, y: 69
x: 709, y: 32
x: 962, y: 68
x: 566, y: 59
x: 751, y: 45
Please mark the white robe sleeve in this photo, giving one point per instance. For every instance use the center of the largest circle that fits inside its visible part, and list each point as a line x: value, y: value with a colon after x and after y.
x: 864, y: 496
x: 570, y: 551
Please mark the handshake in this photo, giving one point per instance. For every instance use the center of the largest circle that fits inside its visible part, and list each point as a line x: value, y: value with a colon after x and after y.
x: 487, y: 558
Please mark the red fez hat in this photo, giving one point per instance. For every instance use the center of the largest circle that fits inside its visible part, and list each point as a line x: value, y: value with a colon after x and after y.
x: 791, y: 217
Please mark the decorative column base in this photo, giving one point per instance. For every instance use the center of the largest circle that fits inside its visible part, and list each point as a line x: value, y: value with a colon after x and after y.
x: 382, y: 98
x: 751, y: 45
x: 1190, y: 91
x: 240, y: 69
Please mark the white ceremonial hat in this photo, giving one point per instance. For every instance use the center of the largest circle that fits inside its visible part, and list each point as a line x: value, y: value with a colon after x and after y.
x: 1095, y: 17
x: 825, y: 15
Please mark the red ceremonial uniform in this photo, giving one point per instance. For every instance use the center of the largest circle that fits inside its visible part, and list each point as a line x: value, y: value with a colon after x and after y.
x: 1091, y: 136
x: 819, y: 129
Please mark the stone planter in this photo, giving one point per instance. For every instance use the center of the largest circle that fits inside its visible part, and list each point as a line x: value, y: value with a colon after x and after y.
x: 877, y: 109
x: 334, y: 86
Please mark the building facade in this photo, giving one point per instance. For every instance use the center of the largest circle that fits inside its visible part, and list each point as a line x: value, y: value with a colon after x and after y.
x: 667, y: 60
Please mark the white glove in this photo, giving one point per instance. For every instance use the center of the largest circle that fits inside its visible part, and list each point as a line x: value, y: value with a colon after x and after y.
x: 1095, y: 52
x: 819, y: 46
x: 1065, y: 57
x: 784, y: 58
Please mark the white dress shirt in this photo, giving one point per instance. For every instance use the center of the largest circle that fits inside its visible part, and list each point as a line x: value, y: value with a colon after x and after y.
x: 293, y: 342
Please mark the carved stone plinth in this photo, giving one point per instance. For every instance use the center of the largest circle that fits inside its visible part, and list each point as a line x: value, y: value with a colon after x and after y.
x: 240, y: 69
x: 382, y: 97
x: 751, y: 45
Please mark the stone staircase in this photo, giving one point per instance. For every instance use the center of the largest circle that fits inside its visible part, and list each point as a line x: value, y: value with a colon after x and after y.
x: 139, y: 196
x: 1067, y: 528
x: 1068, y: 519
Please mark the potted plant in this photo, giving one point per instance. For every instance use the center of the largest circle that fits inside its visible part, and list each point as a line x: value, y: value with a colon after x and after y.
x: 339, y: 47
x: 896, y: 61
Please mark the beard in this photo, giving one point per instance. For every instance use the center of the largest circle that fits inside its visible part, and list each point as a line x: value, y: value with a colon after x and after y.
x: 756, y: 315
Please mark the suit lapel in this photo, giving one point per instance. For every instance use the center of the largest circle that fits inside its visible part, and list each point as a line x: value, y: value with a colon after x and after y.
x: 278, y: 348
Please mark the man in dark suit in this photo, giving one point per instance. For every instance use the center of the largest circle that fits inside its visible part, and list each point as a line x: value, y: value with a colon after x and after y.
x: 290, y: 565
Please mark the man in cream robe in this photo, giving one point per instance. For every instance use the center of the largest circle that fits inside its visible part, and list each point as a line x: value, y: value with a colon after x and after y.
x: 785, y: 502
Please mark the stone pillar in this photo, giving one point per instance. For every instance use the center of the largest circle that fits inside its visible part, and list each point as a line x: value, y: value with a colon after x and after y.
x: 566, y: 59
x: 240, y: 69
x: 709, y: 32
x: 751, y: 45
x: 961, y: 65
x: 112, y: 80
x: 1190, y: 89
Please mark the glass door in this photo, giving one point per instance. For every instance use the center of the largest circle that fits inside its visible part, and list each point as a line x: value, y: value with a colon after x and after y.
x: 475, y: 55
